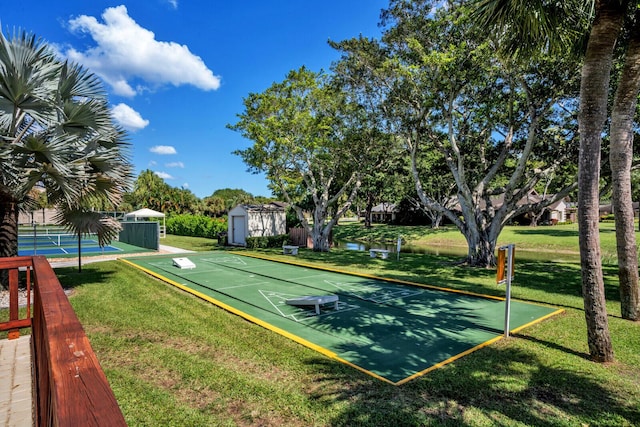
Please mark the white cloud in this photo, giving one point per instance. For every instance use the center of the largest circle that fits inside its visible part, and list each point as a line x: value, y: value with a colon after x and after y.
x: 164, y: 175
x: 163, y: 149
x: 185, y: 185
x: 126, y: 51
x: 175, y: 165
x: 128, y: 118
x: 173, y: 3
x: 153, y: 163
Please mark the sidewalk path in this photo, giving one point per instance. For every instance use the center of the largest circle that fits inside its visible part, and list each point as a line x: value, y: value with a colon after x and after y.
x: 73, y: 262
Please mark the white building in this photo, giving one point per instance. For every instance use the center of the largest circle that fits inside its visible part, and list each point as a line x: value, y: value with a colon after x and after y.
x: 256, y: 221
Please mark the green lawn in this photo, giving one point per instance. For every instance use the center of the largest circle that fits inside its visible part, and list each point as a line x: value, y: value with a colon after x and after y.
x: 559, y: 238
x: 191, y: 243
x: 173, y: 359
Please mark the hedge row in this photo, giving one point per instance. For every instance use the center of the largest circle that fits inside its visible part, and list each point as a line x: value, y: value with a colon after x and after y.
x: 267, y: 241
x: 196, y: 226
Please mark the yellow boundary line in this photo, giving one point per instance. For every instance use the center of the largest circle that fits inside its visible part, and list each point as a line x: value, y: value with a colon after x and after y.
x: 330, y: 354
x: 478, y: 347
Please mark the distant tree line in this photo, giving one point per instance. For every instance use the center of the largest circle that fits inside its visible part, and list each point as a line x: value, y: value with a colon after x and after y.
x: 151, y: 191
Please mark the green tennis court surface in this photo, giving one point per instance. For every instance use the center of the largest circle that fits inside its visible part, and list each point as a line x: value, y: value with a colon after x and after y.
x: 390, y: 330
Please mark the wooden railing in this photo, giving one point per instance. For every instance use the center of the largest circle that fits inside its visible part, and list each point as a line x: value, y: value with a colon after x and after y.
x: 10, y: 271
x: 70, y: 387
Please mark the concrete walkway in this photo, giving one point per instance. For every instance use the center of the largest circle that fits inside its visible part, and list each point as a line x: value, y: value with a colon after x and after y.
x: 16, y: 399
x: 165, y: 248
x: 59, y: 262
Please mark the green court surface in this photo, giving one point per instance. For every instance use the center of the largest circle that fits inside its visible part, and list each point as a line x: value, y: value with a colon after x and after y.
x: 391, y: 330
x: 63, y: 245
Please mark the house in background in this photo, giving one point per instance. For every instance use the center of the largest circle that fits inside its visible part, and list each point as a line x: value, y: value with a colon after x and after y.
x: 384, y: 213
x: 39, y: 216
x: 256, y: 221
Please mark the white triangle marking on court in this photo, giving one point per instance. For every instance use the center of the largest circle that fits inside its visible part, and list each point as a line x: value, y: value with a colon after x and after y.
x: 279, y: 299
x: 227, y: 260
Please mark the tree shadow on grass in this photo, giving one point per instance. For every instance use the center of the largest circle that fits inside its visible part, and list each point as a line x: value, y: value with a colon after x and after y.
x: 504, y: 386
x: 553, y: 232
x: 69, y: 277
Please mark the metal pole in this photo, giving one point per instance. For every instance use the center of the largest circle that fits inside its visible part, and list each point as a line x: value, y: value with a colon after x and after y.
x: 507, y: 306
x: 398, y: 247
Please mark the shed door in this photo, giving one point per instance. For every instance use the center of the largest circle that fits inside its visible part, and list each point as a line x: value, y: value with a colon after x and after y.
x: 238, y: 232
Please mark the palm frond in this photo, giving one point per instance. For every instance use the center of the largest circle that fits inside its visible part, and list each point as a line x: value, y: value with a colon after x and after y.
x: 527, y: 27
x: 80, y: 221
x: 56, y: 130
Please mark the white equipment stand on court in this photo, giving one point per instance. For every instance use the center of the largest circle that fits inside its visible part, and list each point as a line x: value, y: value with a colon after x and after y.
x: 315, y: 301
x: 183, y: 263
x: 505, y: 275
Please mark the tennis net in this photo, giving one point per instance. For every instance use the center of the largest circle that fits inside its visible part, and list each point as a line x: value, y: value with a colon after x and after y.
x: 63, y: 239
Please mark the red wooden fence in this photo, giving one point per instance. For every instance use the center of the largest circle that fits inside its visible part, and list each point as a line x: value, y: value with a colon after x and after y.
x: 71, y: 388
x: 300, y: 237
x: 11, y: 267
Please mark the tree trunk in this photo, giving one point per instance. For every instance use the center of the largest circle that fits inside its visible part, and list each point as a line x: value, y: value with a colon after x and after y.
x: 437, y: 220
x: 594, y: 87
x: 8, y: 233
x: 481, y: 251
x: 8, y: 226
x: 621, y: 156
x: 481, y: 245
x: 79, y: 253
x: 321, y: 238
x: 367, y: 212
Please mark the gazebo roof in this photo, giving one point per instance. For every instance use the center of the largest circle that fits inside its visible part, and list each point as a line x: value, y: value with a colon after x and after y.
x: 144, y: 213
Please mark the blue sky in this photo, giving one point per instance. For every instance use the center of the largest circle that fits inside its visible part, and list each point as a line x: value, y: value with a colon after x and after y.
x: 176, y: 70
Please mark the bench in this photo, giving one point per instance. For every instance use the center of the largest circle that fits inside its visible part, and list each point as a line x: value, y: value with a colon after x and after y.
x: 384, y: 253
x: 290, y: 250
x: 314, y: 300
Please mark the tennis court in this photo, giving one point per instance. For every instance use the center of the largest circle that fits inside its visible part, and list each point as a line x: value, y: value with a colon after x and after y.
x: 394, y: 331
x: 52, y: 243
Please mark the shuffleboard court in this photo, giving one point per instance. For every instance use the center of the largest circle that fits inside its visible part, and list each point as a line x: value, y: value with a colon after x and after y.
x: 394, y: 331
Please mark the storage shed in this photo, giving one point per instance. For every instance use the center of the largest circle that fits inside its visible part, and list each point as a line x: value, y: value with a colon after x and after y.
x: 256, y: 221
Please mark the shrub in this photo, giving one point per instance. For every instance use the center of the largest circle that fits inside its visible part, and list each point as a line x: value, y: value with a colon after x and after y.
x: 196, y: 226
x: 263, y: 242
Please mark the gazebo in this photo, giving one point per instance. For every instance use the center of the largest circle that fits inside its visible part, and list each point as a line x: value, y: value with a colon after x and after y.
x: 145, y: 214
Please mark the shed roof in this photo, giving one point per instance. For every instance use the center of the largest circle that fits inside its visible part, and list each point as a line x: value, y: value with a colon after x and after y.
x: 266, y: 207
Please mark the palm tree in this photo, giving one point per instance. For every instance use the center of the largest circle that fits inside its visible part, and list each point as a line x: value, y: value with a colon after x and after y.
x: 56, y: 131
x: 608, y: 18
x: 620, y: 159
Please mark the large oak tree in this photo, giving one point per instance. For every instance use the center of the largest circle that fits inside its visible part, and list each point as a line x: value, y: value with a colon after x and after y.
x: 498, y: 126
x: 311, y: 144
